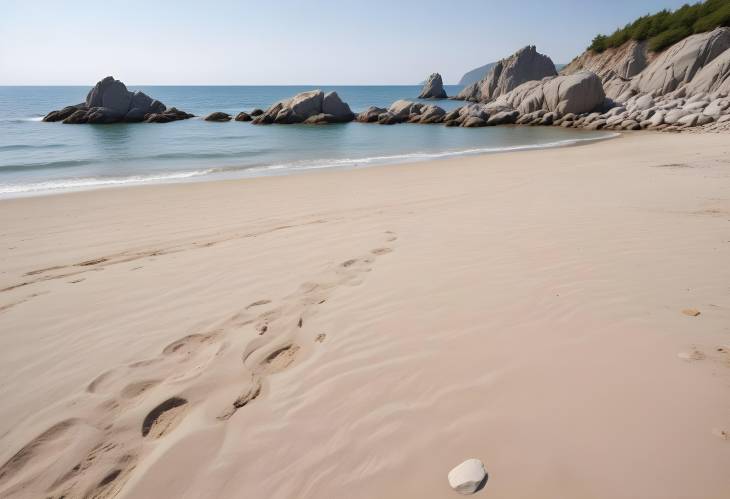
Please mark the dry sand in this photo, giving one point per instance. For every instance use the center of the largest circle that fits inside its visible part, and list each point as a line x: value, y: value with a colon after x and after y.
x: 356, y: 334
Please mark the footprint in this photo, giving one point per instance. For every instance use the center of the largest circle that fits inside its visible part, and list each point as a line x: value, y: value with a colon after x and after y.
x: 278, y: 360
x: 136, y: 389
x: 258, y: 303
x: 93, y: 387
x: 692, y: 312
x: 320, y: 337
x: 114, y: 480
x: 244, y: 399
x: 29, y: 451
x: 187, y: 345
x: 164, y: 417
x: 381, y: 251
x: 690, y: 356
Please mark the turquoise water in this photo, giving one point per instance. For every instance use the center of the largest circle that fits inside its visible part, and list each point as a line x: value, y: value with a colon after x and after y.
x: 39, y: 158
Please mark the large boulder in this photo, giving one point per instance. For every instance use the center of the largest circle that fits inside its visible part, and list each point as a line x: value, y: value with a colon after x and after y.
x: 615, y: 66
x: 713, y: 78
x: 371, y: 114
x: 218, y: 116
x: 577, y: 93
x: 335, y: 108
x: 525, y: 65
x: 403, y: 108
x: 433, y: 88
x: 679, y: 64
x: 109, y: 101
x: 313, y: 104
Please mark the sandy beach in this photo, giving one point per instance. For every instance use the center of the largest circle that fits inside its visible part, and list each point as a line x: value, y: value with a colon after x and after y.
x: 358, y: 333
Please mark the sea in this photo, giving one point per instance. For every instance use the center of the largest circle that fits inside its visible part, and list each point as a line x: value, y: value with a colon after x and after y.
x: 38, y: 158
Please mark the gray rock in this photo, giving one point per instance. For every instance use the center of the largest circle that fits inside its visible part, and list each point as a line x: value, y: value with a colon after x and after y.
x: 433, y: 88
x: 142, y: 101
x: 688, y: 120
x: 242, y: 116
x: 503, y: 118
x: 64, y: 113
x: 117, y: 97
x: 257, y: 112
x: 135, y: 115
x: 389, y: 118
x: 577, y: 93
x: 679, y: 64
x: 370, y: 115
x: 675, y: 115
x: 473, y: 122
x: 218, y: 116
x: 716, y: 107
x: 714, y: 77
x: 333, y: 106
x: 76, y: 118
x: 109, y: 101
x: 403, y: 109
x: 103, y: 116
x: 525, y: 65
x: 306, y: 104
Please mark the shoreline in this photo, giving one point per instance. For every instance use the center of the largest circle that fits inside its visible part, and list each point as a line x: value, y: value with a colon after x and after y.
x: 306, y: 335
x: 222, y: 174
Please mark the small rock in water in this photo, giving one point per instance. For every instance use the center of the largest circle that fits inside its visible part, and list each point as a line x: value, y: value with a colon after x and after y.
x: 692, y: 312
x: 468, y: 477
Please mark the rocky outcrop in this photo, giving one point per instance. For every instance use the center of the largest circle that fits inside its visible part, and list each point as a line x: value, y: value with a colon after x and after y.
x: 698, y: 63
x: 576, y: 93
x: 110, y: 102
x: 679, y: 64
x: 525, y: 65
x: 403, y: 111
x: 218, y: 116
x: 433, y: 88
x: 313, y: 107
x: 243, y: 116
x: 615, y: 66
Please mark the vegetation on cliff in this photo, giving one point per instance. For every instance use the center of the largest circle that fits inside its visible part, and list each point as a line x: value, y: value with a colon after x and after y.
x: 666, y: 27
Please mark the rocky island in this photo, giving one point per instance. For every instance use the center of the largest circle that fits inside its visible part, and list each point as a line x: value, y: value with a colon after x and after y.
x: 110, y: 102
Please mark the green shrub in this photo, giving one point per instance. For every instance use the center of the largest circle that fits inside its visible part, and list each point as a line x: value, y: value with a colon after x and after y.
x: 667, y: 38
x: 665, y: 28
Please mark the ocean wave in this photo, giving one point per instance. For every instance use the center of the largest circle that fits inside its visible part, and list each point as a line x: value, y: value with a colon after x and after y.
x: 16, y: 147
x: 421, y: 156
x: 94, y: 183
x: 46, y: 165
x: 50, y: 186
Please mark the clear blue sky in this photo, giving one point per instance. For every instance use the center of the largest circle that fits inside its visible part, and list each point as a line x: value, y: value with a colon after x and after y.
x: 278, y: 42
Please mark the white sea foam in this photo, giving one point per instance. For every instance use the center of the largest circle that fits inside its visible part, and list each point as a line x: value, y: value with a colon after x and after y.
x: 75, y: 184
x: 12, y: 190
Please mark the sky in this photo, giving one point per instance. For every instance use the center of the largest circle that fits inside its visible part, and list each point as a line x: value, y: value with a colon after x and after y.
x: 289, y: 42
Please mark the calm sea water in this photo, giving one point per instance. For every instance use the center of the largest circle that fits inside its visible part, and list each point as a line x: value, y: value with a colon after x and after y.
x: 39, y: 158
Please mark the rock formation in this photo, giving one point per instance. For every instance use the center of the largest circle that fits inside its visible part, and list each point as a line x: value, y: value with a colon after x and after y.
x: 218, y: 116
x: 110, y: 102
x: 433, y: 88
x: 577, y: 93
x: 524, y: 65
x: 403, y: 111
x: 699, y: 63
x: 313, y: 107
